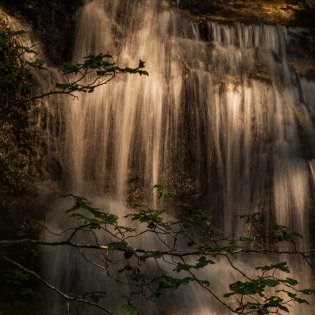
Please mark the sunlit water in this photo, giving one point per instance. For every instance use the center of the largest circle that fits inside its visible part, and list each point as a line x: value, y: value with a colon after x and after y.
x: 221, y: 107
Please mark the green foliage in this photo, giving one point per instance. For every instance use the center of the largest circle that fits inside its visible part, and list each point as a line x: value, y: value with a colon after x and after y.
x: 153, y: 255
x: 280, y: 266
x: 215, y: 250
x: 193, y: 216
x: 189, y: 250
x: 153, y: 218
x: 17, y: 63
x: 129, y: 308
x: 266, y: 290
x: 275, y: 233
x: 98, y: 218
x: 252, y: 218
x: 163, y: 191
x: 201, y: 263
x: 99, y: 67
x: 168, y: 282
x: 282, y: 233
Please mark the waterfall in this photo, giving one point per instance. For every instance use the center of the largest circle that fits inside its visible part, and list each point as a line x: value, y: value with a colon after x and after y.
x: 221, y: 115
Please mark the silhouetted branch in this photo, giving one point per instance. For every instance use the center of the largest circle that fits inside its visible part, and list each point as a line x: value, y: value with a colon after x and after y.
x: 55, y: 289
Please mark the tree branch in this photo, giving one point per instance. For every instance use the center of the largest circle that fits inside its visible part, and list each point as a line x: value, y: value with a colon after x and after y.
x: 175, y: 253
x: 50, y: 286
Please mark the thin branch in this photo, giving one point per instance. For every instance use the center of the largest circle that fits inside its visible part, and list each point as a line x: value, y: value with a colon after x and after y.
x: 50, y: 286
x: 33, y: 98
x: 177, y: 253
x: 75, y: 230
x: 205, y: 287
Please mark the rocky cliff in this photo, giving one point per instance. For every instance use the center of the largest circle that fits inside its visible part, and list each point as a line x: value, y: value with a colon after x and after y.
x: 53, y: 21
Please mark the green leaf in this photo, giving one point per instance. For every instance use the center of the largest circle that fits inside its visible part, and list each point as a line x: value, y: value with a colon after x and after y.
x: 252, y: 218
x: 217, y: 249
x: 308, y: 291
x: 263, y: 311
x: 69, y: 68
x: 129, y: 309
x: 153, y: 255
x: 171, y: 283
x: 270, y: 282
x: 290, y: 281
x: 152, y: 217
x: 204, y: 283
x: 203, y: 262
x: 280, y: 266
x: 63, y: 86
x: 101, y: 217
x: 36, y: 64
x: 122, y: 246
x: 244, y: 288
x: 228, y: 294
x: 296, y: 298
x: 255, y: 286
x: 163, y: 191
x: 128, y: 254
x: 141, y: 64
x: 282, y: 233
x: 137, y: 276
x: 184, y: 267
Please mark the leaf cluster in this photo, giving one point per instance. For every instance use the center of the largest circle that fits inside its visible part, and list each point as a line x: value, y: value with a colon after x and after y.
x: 95, y: 71
x: 268, y: 293
x: 187, y: 250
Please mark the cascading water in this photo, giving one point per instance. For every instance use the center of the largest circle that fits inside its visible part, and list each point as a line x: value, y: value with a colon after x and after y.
x: 221, y: 109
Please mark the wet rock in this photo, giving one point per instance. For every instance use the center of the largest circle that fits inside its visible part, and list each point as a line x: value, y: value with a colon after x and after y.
x: 196, y: 6
x: 301, y: 52
x: 52, y: 22
x: 310, y: 75
x: 252, y: 11
x: 204, y: 32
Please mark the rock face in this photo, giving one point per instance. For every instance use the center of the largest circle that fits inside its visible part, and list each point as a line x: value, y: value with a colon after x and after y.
x: 293, y: 13
x: 52, y: 21
x: 289, y: 12
x: 301, y: 52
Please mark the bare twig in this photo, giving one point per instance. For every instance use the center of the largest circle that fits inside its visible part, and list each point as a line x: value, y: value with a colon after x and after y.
x: 55, y: 289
